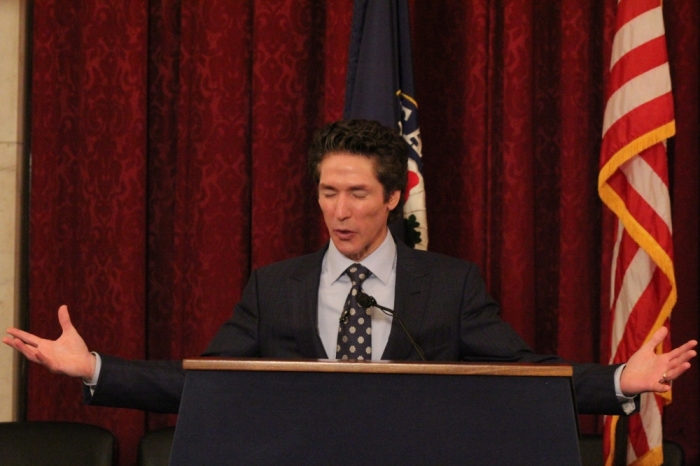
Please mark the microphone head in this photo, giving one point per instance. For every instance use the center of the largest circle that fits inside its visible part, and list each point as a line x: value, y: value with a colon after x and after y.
x: 365, y: 300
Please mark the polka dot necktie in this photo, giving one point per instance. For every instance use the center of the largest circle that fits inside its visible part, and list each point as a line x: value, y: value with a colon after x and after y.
x: 355, y: 330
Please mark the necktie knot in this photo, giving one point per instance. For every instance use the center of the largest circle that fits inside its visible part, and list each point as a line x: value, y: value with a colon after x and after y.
x: 358, y: 273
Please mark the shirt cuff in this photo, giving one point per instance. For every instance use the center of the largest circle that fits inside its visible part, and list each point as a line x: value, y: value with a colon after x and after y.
x: 92, y: 383
x: 627, y: 402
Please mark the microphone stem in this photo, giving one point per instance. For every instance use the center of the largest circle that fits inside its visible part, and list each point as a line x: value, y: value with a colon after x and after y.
x: 392, y: 313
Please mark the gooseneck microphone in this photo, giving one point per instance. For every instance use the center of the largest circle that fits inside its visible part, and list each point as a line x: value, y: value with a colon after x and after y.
x: 367, y: 301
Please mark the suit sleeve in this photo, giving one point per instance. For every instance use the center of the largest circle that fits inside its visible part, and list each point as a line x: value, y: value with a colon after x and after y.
x: 486, y: 337
x: 157, y: 385
x: 147, y: 385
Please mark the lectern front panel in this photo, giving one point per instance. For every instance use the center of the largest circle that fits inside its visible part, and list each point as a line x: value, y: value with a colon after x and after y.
x: 261, y: 417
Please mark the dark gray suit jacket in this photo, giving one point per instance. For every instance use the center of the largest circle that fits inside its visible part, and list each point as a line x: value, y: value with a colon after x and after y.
x: 443, y: 301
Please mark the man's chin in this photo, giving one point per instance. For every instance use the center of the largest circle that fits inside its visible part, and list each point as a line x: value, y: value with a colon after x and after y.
x: 348, y: 249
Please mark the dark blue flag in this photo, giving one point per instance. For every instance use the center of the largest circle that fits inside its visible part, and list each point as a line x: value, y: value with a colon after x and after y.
x: 380, y: 87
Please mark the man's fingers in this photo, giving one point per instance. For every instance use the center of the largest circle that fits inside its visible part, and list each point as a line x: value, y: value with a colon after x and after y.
x: 681, y: 354
x: 34, y: 355
x: 685, y: 349
x: 11, y: 342
x: 26, y: 337
x: 677, y: 371
x: 683, y: 357
x: 29, y: 352
x: 678, y: 361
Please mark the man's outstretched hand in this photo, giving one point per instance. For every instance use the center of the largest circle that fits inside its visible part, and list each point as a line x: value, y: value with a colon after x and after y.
x: 68, y: 355
x: 647, y: 371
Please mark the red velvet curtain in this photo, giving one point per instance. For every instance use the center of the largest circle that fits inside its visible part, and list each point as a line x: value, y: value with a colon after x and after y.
x: 168, y: 160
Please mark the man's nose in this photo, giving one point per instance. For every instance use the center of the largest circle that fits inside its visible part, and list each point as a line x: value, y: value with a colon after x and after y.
x: 342, y: 208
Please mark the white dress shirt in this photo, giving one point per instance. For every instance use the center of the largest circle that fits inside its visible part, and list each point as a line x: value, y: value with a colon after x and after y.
x: 335, y: 286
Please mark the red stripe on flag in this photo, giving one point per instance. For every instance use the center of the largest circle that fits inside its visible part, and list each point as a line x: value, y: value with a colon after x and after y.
x: 627, y: 10
x: 638, y: 61
x: 656, y: 158
x: 636, y: 123
x: 627, y: 250
x: 638, y: 436
x: 643, y: 213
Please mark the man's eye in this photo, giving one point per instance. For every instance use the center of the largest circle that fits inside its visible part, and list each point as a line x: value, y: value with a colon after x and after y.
x: 328, y: 194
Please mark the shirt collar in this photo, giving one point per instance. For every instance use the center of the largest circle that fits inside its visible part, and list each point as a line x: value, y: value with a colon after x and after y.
x: 381, y: 262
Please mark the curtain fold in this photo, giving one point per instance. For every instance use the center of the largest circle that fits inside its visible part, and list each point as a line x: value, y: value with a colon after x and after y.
x: 682, y: 417
x: 88, y: 179
x: 169, y: 142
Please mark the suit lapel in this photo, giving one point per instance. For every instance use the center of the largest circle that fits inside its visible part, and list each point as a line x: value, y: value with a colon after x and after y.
x: 411, y: 294
x: 305, y: 282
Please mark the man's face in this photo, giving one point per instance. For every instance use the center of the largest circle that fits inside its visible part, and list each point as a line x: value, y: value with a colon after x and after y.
x: 352, y: 200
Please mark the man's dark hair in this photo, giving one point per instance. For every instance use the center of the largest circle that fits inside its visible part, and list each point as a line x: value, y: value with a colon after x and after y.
x: 369, y: 139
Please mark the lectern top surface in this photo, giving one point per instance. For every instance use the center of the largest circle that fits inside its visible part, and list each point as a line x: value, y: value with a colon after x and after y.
x: 384, y: 367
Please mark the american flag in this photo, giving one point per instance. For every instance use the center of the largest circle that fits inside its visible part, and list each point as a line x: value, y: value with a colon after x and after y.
x: 633, y: 183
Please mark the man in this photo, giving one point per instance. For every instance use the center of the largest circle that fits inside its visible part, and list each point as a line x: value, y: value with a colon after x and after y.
x: 308, y: 307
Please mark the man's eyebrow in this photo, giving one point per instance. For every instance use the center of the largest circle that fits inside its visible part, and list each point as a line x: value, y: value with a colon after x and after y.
x: 357, y: 187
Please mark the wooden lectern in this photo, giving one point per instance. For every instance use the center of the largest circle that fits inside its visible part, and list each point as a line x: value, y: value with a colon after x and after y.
x: 261, y: 412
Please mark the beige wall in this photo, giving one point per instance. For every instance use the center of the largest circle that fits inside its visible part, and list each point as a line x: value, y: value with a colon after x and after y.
x: 12, y: 40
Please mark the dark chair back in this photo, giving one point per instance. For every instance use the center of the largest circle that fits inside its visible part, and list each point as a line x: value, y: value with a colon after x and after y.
x: 591, y: 448
x: 155, y: 446
x: 47, y: 443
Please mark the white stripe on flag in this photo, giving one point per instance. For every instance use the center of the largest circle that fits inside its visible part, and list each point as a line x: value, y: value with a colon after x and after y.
x: 649, y: 186
x: 635, y: 92
x: 613, y: 267
x: 637, y: 278
x: 645, y: 27
x: 651, y: 419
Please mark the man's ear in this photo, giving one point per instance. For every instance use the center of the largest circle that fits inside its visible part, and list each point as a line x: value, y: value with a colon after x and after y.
x: 394, y: 199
